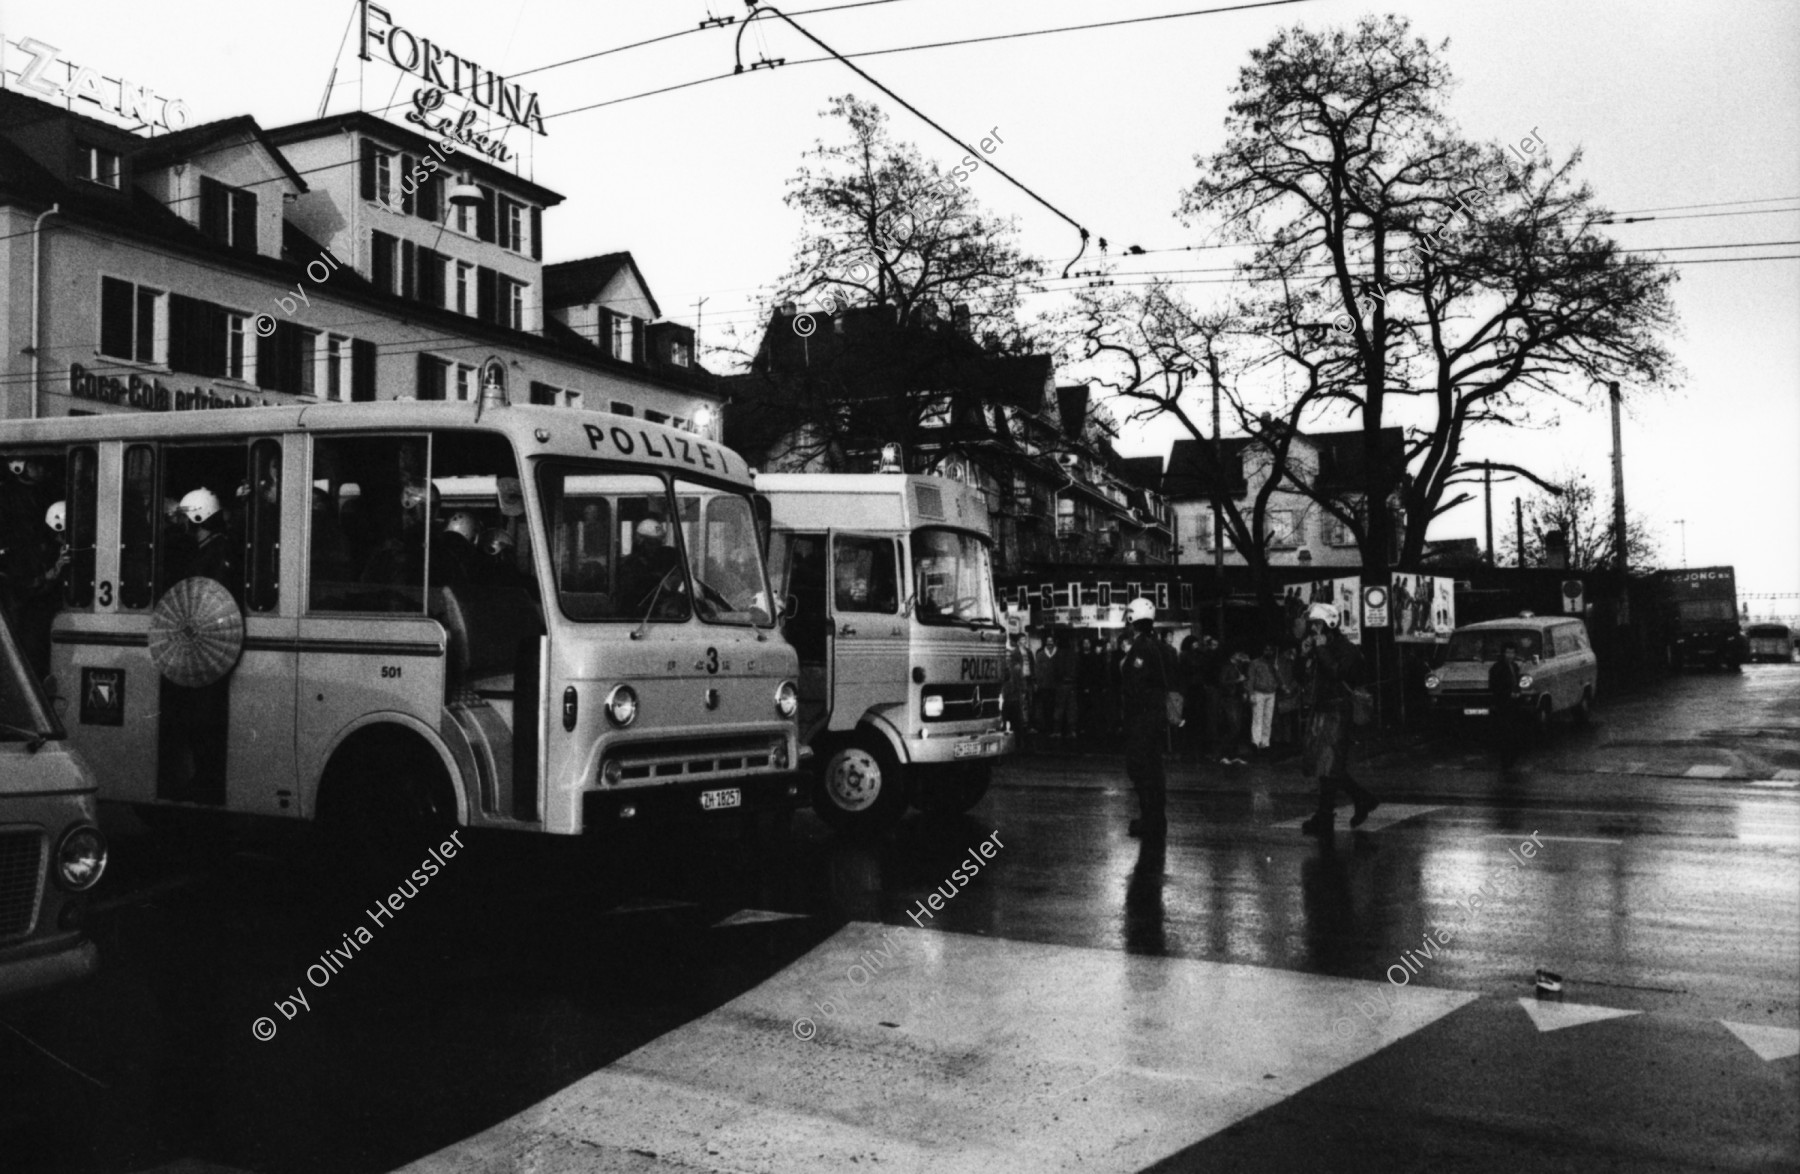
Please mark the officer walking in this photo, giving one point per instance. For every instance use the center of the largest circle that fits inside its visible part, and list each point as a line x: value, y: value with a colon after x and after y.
x: 1149, y: 672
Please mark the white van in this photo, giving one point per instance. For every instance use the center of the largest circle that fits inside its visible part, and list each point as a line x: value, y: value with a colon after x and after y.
x: 889, y: 591
x: 51, y: 852
x: 1558, y: 671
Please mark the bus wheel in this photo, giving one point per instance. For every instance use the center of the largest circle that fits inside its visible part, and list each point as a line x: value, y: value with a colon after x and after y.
x: 381, y: 815
x: 860, y: 789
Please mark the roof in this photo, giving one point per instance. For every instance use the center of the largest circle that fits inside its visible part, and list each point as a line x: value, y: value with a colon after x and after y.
x: 1535, y: 623
x: 1143, y: 472
x: 1192, y: 471
x: 362, y: 122
x: 184, y: 145
x: 578, y: 283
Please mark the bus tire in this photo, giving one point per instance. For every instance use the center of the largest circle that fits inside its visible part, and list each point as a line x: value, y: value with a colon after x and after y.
x: 385, y: 800
x: 859, y: 788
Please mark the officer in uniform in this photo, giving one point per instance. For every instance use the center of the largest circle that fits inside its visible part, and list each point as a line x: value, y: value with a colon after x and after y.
x: 1150, y: 671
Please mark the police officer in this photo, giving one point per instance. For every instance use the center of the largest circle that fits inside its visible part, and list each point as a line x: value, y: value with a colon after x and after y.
x: 641, y: 573
x: 1329, y: 667
x: 1503, y: 684
x: 213, y: 553
x: 1149, y: 672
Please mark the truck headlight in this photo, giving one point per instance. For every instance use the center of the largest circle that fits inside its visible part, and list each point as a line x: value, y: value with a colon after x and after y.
x: 787, y: 699
x: 1432, y: 681
x: 81, y: 858
x: 1524, y: 680
x: 934, y: 705
x: 622, y: 705
x: 778, y: 754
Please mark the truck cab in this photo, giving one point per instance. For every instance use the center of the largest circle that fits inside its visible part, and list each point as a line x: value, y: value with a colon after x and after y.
x: 1700, y: 611
x: 889, y: 602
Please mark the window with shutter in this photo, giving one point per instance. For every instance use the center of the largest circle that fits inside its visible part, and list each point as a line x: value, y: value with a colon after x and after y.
x: 431, y: 198
x: 407, y: 185
x: 243, y: 220
x: 432, y: 379
x: 381, y: 261
x: 368, y: 169
x: 537, y: 234
x: 487, y: 294
x: 196, y: 337
x: 117, y: 306
x: 215, y: 210
x: 543, y: 393
x: 408, y: 269
x: 362, y: 370
x: 484, y: 216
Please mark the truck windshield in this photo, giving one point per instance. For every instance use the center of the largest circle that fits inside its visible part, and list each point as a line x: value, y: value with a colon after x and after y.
x: 953, y: 579
x: 1485, y: 645
x: 616, y: 554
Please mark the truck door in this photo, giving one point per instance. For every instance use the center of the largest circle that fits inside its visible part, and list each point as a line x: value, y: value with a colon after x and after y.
x: 798, y: 566
x: 870, y: 658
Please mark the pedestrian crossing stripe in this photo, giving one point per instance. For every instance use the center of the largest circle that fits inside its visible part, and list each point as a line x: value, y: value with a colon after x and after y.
x: 757, y: 917
x: 1784, y: 784
x: 1049, y: 1057
x: 1771, y: 1043
x: 1554, y: 1016
x: 1385, y: 816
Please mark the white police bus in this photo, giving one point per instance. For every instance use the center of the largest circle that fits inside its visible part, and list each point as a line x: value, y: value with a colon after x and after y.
x: 278, y: 611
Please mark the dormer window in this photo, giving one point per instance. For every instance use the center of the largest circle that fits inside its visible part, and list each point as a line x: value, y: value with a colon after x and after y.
x: 228, y: 215
x: 98, y: 165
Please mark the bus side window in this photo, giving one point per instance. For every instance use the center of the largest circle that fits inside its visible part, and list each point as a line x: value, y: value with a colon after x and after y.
x: 138, y: 517
x: 263, y: 540
x: 82, y: 512
x: 371, y: 555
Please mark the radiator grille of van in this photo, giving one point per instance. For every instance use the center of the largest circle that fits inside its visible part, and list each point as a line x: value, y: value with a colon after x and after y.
x: 694, y: 761
x: 21, y: 880
x: 965, y: 703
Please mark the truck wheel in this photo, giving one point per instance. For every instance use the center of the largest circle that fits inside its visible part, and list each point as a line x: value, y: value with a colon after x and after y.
x: 860, y: 790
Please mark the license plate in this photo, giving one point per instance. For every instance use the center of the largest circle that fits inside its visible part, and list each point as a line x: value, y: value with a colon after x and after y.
x: 973, y: 749
x: 1476, y: 712
x: 715, y: 800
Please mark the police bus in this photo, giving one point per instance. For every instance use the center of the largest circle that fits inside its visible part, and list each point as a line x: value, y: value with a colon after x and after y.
x: 902, y: 650
x: 393, y: 615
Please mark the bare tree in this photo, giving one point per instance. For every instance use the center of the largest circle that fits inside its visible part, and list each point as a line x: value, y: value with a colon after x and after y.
x: 1434, y: 283
x: 1576, y: 512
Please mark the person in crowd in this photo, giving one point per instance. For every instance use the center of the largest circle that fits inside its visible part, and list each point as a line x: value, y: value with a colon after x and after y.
x: 1210, y: 666
x: 1265, y: 687
x: 1149, y: 672
x: 1111, y: 716
x: 1067, y: 715
x: 496, y: 561
x: 1503, y: 721
x: 1287, y: 703
x: 1193, y: 695
x: 214, y: 556
x: 32, y: 557
x: 453, y: 550
x: 1329, y: 667
x: 1046, y: 678
x: 1233, y: 706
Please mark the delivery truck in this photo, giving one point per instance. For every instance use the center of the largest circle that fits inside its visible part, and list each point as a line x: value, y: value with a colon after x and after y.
x: 1700, y: 618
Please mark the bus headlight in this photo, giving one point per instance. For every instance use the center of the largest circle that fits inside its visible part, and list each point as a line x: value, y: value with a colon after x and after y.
x: 934, y: 705
x: 81, y: 858
x: 1432, y: 681
x: 622, y: 705
x: 778, y: 754
x: 613, y: 772
x: 787, y: 699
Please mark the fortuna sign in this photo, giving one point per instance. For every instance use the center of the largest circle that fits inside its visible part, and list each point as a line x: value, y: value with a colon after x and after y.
x: 43, y: 72
x: 447, y: 72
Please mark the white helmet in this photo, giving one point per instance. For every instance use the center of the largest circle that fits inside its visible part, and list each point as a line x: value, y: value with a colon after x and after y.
x: 651, y: 528
x: 1325, y: 613
x: 199, y: 505
x: 56, y: 517
x: 1140, y: 609
x: 462, y: 522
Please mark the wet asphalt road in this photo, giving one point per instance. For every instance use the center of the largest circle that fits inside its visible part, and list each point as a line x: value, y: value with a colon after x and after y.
x: 1665, y: 882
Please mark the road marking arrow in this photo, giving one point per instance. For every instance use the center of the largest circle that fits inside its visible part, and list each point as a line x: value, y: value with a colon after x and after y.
x: 1771, y: 1043
x: 1556, y: 1016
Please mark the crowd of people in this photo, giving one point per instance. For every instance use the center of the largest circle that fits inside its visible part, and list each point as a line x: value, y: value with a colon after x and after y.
x: 1066, y: 690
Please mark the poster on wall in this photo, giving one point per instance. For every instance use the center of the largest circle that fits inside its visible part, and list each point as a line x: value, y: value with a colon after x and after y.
x: 1344, y: 594
x: 1423, y: 608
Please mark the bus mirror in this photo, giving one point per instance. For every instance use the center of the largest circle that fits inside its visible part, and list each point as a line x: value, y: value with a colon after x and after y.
x: 512, y: 501
x: 789, y: 606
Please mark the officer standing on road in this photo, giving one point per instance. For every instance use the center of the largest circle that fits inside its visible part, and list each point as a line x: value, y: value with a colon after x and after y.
x: 1150, y: 671
x: 1330, y: 665
x: 1503, y: 684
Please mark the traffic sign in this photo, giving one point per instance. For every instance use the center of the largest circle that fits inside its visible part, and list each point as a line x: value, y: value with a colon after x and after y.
x: 1375, y: 607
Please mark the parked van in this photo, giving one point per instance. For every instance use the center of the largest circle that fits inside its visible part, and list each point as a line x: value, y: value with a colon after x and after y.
x: 1557, y: 667
x: 889, y: 586
x: 51, y: 852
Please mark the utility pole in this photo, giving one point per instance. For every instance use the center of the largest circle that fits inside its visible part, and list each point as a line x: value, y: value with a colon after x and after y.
x: 1487, y: 497
x: 1618, y: 463
x: 1212, y: 370
x: 699, y: 312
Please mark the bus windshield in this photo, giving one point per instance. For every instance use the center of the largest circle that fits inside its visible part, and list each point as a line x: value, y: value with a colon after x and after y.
x: 616, y: 556
x: 953, y: 578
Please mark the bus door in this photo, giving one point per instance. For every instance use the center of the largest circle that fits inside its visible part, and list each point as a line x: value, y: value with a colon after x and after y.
x: 799, y: 568
x: 368, y: 647
x: 870, y: 656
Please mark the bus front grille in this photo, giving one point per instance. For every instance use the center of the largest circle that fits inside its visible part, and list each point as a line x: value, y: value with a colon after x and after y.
x: 691, y: 761
x: 21, y: 880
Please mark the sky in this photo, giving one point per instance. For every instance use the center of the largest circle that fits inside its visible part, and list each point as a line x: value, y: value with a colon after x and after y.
x: 1686, y: 113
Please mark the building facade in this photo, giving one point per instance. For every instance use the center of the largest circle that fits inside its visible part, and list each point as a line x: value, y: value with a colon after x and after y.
x: 347, y: 258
